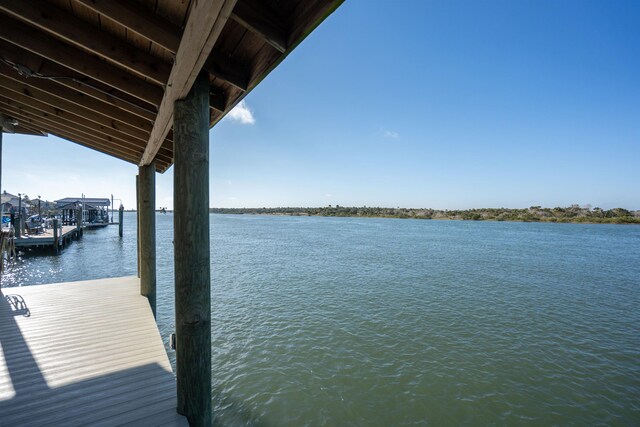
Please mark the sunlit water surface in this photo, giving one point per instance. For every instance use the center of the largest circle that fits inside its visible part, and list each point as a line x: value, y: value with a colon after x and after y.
x: 344, y: 321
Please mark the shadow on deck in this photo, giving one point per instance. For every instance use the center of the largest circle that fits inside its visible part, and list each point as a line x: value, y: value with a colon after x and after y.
x: 66, y: 361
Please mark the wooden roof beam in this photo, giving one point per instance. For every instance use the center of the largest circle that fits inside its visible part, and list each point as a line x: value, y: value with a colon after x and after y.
x: 98, y: 91
x: 62, y: 24
x: 77, y: 98
x: 204, y: 24
x: 90, y: 145
x: 29, y: 64
x: 38, y: 96
x: 139, y: 20
x: 57, y: 116
x: 73, y: 135
x: 83, y: 138
x: 259, y: 18
x: 94, y: 90
x: 51, y: 122
x: 167, y: 35
x: 28, y: 130
x: 70, y: 57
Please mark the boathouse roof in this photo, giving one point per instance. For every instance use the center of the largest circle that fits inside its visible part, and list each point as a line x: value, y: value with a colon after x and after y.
x: 105, y: 73
x: 87, y: 206
x: 101, y: 202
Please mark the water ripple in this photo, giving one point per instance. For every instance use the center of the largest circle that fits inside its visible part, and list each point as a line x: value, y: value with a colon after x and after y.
x: 339, y: 321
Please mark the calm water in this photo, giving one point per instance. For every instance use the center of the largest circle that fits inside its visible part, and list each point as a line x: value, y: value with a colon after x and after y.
x: 342, y: 321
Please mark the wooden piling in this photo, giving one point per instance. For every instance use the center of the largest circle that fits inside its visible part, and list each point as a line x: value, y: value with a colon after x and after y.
x: 1, y: 169
x: 79, y: 222
x: 191, y: 249
x: 147, y: 223
x: 55, y: 235
x: 138, y: 220
x: 120, y: 219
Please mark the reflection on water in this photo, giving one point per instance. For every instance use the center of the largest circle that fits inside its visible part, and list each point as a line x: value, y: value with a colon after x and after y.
x: 333, y: 321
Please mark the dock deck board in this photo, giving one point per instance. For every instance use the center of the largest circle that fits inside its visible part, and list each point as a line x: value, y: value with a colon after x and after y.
x: 83, y: 353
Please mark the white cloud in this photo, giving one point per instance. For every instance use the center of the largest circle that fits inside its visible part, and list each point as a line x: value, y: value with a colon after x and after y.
x: 233, y: 198
x: 328, y: 195
x: 390, y: 134
x: 242, y: 114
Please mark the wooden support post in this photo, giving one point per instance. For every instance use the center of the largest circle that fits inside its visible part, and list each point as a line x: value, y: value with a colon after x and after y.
x: 147, y: 192
x: 55, y: 235
x: 191, y: 249
x: 79, y: 221
x: 138, y: 220
x: 1, y: 211
x: 120, y: 219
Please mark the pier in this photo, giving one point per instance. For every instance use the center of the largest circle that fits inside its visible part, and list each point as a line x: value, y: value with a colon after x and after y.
x: 83, y: 353
x: 46, y: 238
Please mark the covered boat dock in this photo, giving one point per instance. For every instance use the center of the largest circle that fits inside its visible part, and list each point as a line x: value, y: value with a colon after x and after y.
x: 142, y: 81
x: 94, y: 210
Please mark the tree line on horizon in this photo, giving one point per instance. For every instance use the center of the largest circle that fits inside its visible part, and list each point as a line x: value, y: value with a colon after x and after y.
x: 574, y: 213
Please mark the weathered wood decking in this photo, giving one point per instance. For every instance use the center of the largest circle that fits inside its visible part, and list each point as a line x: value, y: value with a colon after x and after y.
x: 83, y: 353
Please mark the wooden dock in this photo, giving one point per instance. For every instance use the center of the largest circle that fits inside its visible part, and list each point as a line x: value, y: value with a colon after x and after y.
x: 46, y: 238
x: 83, y: 353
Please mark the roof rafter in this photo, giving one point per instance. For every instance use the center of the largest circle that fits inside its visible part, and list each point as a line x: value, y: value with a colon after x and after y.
x: 52, y: 121
x: 258, y: 17
x: 68, y: 56
x: 139, y: 20
x: 37, y: 95
x: 166, y: 34
x: 29, y: 64
x: 73, y: 135
x: 28, y: 130
x: 58, y: 22
x: 53, y: 116
x: 77, y: 98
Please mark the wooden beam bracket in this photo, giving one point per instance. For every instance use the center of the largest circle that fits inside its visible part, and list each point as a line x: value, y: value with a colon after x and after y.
x: 8, y: 124
x: 259, y: 18
x: 227, y: 69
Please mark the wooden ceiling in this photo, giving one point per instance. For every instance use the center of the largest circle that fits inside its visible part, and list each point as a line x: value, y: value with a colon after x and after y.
x: 104, y: 73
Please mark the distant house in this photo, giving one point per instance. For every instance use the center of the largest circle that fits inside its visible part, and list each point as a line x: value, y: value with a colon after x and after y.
x: 96, y: 210
x: 10, y: 203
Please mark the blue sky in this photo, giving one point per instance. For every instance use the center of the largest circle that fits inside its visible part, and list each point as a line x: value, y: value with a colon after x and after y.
x: 443, y: 104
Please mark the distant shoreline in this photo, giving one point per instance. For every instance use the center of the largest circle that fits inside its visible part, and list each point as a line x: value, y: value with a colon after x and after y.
x: 573, y: 214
